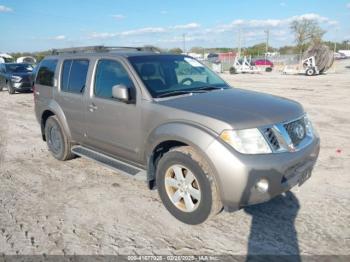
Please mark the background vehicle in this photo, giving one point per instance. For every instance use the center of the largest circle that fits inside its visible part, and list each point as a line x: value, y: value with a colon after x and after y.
x: 16, y: 77
x: 265, y: 63
x: 213, y: 58
x: 204, y: 145
x: 339, y: 55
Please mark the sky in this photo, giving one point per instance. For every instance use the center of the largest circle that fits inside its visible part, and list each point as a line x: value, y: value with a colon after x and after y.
x: 36, y: 25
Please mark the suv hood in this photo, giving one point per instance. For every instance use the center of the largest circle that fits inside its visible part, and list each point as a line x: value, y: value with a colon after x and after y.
x: 23, y: 75
x: 239, y: 108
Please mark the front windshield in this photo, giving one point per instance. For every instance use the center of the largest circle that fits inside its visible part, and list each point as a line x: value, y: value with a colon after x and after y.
x: 166, y: 75
x: 19, y: 68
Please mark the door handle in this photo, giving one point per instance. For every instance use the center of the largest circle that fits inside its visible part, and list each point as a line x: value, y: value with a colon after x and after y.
x: 92, y: 107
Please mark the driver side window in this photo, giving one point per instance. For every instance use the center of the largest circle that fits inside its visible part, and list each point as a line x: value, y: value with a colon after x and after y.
x: 108, y: 74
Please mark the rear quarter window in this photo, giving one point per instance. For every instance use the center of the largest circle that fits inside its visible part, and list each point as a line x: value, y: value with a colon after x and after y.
x: 46, y: 72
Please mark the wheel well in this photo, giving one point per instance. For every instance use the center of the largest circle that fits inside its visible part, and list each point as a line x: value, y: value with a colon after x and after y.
x: 157, y: 154
x: 44, y: 118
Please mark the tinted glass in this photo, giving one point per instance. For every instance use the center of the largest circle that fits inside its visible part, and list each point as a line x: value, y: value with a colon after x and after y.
x: 19, y: 68
x: 108, y: 74
x: 74, y: 74
x: 67, y: 64
x: 163, y: 74
x: 46, y: 72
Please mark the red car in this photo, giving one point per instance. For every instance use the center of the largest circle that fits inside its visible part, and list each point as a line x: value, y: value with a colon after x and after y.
x: 263, y: 63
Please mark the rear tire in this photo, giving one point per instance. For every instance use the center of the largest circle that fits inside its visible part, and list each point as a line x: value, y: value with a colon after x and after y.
x: 186, y: 186
x: 57, y: 141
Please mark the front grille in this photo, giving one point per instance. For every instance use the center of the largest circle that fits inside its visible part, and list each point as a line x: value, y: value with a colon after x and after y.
x: 292, y: 128
x: 272, y: 139
x: 26, y: 85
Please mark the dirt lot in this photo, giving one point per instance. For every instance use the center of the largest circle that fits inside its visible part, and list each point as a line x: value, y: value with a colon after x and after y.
x: 79, y: 207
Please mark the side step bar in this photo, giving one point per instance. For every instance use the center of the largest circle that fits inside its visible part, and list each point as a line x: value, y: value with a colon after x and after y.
x: 110, y: 162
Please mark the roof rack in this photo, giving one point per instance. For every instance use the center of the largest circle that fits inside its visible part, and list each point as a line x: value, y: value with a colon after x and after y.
x: 102, y: 49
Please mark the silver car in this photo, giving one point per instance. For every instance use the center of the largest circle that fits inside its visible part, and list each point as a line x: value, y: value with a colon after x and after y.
x: 205, y: 146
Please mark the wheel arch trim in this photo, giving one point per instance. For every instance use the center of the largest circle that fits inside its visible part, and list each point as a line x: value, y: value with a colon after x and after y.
x: 57, y: 111
x: 191, y: 135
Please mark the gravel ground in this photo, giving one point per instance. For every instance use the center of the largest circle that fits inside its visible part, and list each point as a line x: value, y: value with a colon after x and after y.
x: 79, y: 207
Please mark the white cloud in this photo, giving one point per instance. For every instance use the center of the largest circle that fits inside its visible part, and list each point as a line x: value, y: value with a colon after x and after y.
x: 96, y: 35
x: 179, y: 39
x: 270, y: 23
x: 142, y: 31
x: 187, y: 26
x: 59, y: 37
x: 5, y: 9
x: 136, y: 32
x: 119, y: 17
x: 253, y: 31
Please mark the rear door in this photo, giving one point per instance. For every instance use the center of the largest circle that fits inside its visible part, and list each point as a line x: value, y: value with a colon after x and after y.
x: 72, y: 85
x: 113, y: 126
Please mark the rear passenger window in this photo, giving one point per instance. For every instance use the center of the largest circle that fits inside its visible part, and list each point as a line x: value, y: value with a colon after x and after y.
x: 108, y: 74
x: 46, y: 72
x: 74, y: 74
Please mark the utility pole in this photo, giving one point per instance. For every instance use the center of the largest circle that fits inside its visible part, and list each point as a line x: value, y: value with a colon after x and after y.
x: 239, y: 42
x: 184, y: 42
x: 267, y: 31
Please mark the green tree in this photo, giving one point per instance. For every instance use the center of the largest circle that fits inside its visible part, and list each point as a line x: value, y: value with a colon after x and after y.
x: 176, y: 50
x: 306, y: 32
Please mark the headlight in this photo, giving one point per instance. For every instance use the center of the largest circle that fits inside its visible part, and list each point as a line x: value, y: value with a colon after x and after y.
x: 247, y: 141
x: 308, y: 127
x: 16, y: 79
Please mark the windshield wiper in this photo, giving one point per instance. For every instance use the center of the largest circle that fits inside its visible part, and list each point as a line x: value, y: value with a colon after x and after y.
x: 197, y: 90
x: 209, y: 88
x: 176, y: 93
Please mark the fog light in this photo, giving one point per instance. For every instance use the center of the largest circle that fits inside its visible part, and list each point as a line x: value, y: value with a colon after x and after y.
x: 262, y: 185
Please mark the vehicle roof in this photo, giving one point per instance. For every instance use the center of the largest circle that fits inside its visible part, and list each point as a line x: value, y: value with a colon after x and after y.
x: 108, y: 54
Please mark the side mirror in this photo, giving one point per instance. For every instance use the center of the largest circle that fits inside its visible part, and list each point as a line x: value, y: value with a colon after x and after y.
x: 121, y: 92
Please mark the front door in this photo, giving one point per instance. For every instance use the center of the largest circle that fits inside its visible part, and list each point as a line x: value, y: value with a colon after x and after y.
x: 112, y: 126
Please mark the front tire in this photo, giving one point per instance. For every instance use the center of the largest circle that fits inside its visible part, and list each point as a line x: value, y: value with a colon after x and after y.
x: 10, y: 89
x: 57, y: 140
x: 186, y: 186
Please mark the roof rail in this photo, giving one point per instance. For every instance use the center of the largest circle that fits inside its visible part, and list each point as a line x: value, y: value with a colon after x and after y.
x: 102, y: 49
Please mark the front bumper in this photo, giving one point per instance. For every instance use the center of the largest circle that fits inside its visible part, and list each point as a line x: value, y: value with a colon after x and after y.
x: 237, y: 174
x: 22, y: 86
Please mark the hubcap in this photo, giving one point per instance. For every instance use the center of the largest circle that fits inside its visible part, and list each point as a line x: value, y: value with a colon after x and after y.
x: 182, y: 188
x: 55, y: 139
